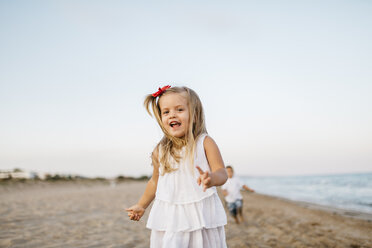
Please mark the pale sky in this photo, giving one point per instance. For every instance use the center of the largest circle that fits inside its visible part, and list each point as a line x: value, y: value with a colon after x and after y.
x: 286, y: 85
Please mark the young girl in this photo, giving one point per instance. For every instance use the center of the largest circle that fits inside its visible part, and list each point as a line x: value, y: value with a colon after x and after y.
x: 187, y: 165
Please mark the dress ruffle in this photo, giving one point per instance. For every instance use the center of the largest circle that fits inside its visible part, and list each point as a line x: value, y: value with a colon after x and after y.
x: 206, y: 238
x: 206, y: 213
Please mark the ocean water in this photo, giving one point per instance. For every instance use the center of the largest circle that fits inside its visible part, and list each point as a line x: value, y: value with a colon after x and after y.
x: 345, y: 191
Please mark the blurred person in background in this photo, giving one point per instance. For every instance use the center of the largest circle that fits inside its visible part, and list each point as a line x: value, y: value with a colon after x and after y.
x: 233, y: 197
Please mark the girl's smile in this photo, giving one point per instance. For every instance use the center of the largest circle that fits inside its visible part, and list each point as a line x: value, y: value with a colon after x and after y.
x: 174, y: 113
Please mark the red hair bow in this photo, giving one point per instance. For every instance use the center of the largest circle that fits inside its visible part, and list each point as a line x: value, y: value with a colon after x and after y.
x: 161, y: 91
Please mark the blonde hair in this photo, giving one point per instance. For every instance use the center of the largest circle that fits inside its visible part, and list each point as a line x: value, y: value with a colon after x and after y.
x: 170, y: 146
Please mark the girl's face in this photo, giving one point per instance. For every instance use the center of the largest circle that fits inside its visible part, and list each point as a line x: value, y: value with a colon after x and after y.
x: 175, y: 113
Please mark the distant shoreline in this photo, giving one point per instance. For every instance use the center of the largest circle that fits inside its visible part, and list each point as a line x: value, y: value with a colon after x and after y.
x: 326, y: 208
x: 346, y: 194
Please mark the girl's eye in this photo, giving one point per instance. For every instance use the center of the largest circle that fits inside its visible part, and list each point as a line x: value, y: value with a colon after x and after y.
x: 180, y: 109
x: 165, y: 112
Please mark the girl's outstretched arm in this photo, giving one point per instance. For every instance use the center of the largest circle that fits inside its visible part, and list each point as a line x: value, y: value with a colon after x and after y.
x: 136, y: 211
x: 218, y: 176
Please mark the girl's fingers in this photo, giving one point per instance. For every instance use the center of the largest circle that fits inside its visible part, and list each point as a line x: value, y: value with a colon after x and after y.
x: 200, y: 170
x: 207, y: 181
x: 206, y: 175
x: 204, y: 178
x: 133, y: 214
x: 137, y: 217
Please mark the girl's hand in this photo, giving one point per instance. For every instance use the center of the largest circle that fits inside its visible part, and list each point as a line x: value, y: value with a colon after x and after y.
x: 204, y: 178
x: 135, y: 212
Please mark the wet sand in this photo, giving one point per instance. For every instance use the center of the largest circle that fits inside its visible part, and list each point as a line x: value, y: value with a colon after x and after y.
x: 92, y: 215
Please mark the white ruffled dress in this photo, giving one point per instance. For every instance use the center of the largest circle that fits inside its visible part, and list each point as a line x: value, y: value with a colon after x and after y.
x: 182, y: 215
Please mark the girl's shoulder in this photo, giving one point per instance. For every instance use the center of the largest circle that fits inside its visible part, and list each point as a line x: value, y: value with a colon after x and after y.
x: 208, y: 142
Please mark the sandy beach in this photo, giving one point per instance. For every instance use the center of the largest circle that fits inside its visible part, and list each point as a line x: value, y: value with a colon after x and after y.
x: 71, y: 214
